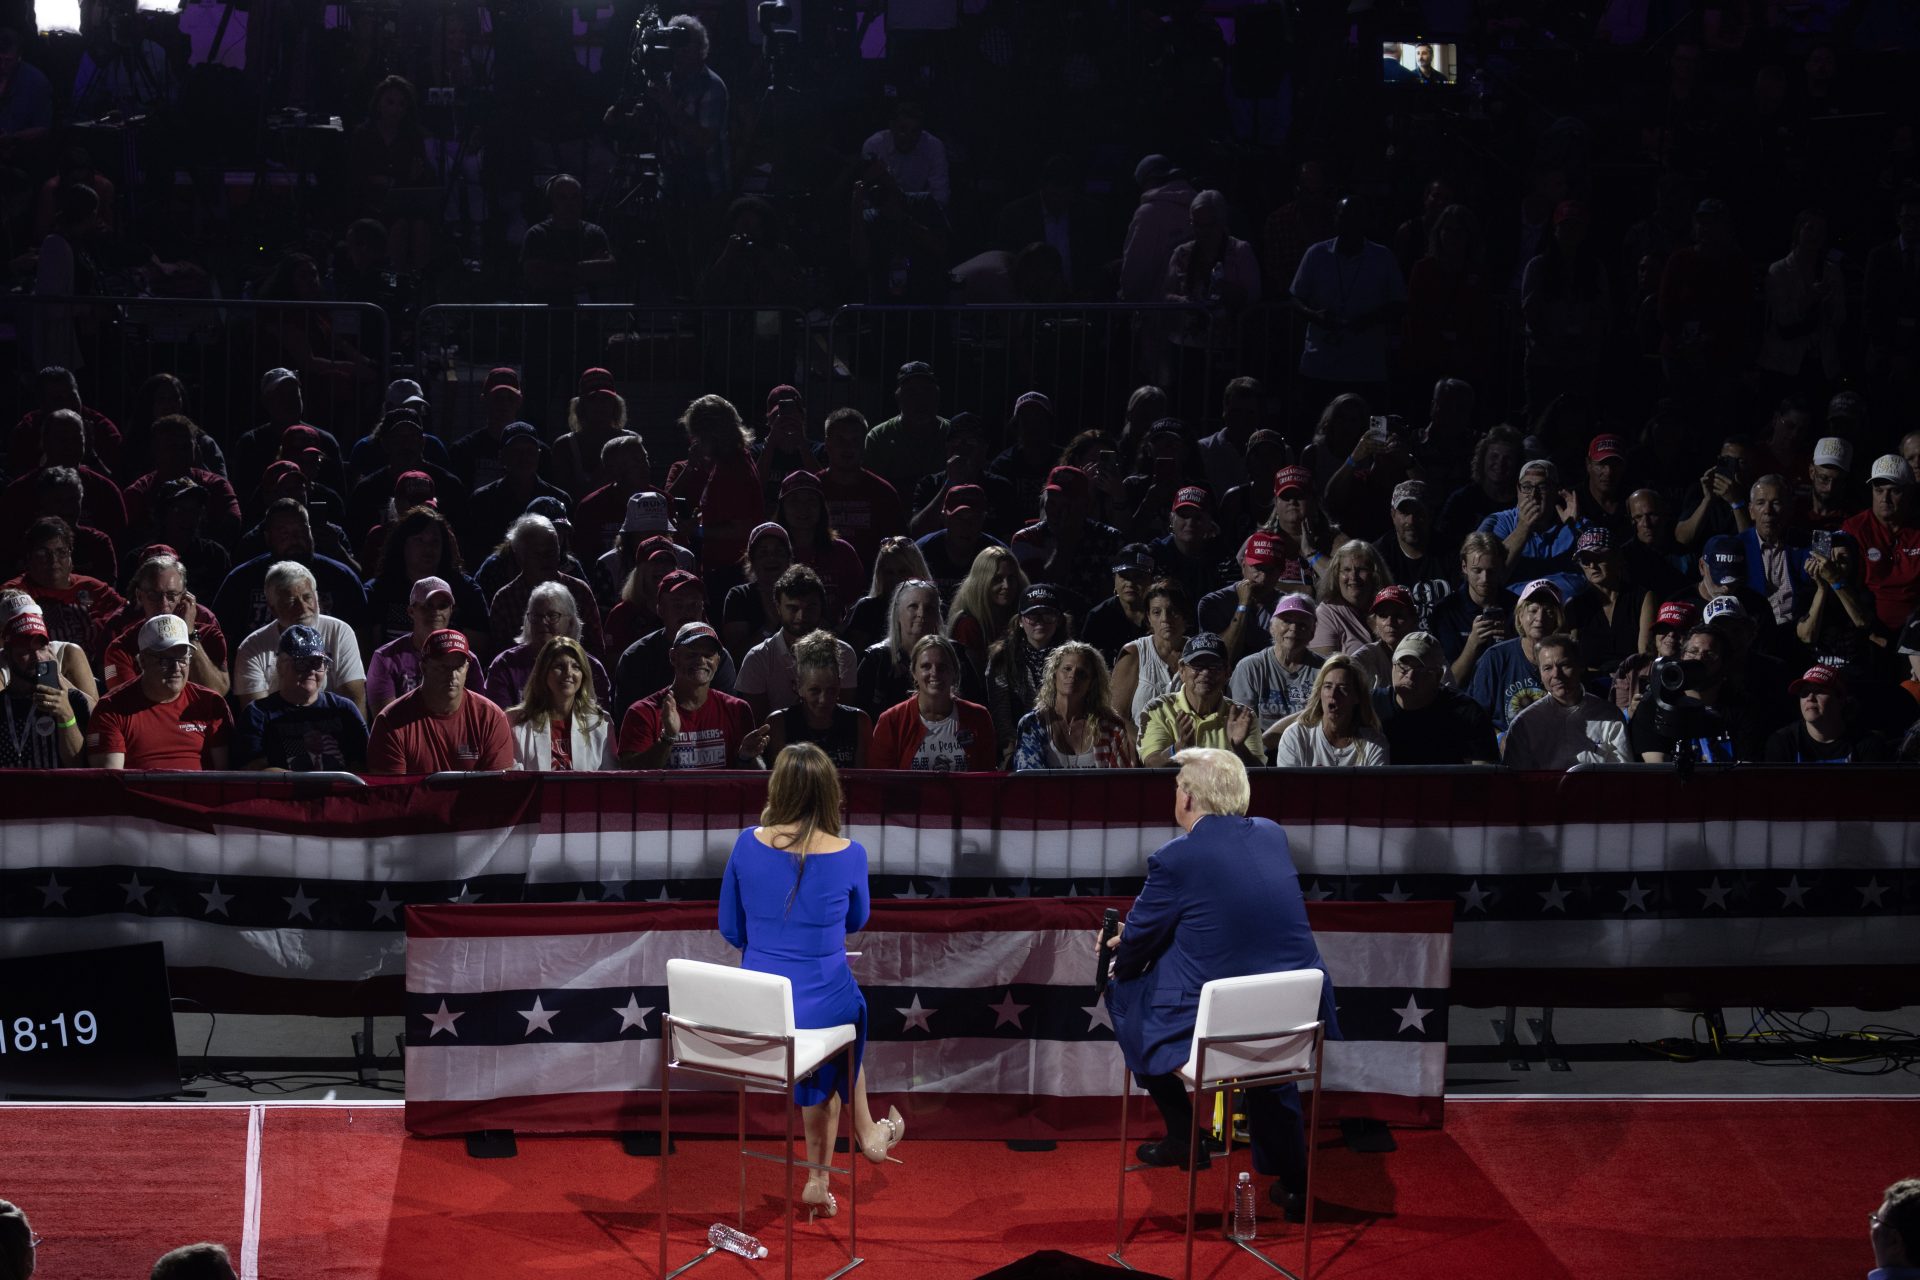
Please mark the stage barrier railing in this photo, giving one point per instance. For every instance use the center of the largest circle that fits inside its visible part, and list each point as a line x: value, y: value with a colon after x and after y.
x: 1627, y: 886
x: 218, y: 347
x: 661, y: 357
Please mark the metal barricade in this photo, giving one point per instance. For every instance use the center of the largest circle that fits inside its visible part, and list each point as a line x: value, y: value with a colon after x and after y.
x: 218, y: 347
x: 1088, y: 358
x: 660, y: 357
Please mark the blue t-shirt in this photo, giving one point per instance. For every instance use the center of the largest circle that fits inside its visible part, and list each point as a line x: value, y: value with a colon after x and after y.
x: 1547, y: 554
x: 1505, y: 683
x: 329, y: 735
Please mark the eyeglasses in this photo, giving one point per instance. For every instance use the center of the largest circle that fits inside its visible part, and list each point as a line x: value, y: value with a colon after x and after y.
x: 167, y: 661
x: 551, y: 615
x: 53, y: 553
x: 35, y: 1239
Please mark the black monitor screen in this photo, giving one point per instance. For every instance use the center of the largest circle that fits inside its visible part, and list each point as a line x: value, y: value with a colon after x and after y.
x: 88, y: 1024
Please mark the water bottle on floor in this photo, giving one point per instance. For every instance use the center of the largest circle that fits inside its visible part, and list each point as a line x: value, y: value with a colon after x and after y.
x: 722, y: 1236
x: 1245, y: 1222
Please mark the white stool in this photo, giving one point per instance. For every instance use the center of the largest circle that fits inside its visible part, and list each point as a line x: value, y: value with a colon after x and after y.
x: 1251, y: 1032
x: 734, y: 1028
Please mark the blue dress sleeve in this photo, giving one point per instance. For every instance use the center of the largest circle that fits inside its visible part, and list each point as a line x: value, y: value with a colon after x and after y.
x: 733, y: 915
x: 859, y: 893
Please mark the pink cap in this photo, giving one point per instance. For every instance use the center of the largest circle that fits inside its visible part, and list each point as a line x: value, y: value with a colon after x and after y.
x: 426, y: 589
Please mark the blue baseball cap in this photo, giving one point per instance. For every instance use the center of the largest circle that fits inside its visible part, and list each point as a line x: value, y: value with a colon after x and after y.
x: 1203, y: 646
x: 302, y: 641
x: 1726, y: 558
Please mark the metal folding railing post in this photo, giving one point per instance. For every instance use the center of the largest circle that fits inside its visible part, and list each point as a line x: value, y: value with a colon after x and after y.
x: 218, y: 347
x: 660, y: 356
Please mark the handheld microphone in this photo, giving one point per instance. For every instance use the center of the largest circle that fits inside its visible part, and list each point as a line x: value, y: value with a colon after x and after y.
x: 1103, y: 954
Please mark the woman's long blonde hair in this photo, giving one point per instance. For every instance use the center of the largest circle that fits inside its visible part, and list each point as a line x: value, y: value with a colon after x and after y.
x: 1099, y: 703
x: 1364, y: 716
x: 536, y: 703
x: 974, y: 595
x: 803, y: 791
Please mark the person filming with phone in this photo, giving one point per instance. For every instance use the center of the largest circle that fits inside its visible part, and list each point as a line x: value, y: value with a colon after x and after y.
x: 1541, y: 529
x: 45, y: 716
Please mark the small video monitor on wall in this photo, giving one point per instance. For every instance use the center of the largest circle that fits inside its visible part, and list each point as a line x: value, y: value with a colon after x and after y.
x: 1419, y: 64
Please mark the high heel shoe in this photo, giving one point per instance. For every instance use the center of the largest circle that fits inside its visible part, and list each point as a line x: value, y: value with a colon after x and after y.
x: 825, y: 1205
x: 887, y: 1133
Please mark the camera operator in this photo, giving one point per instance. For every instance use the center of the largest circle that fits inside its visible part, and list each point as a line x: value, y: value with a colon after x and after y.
x: 692, y: 101
x: 1719, y: 723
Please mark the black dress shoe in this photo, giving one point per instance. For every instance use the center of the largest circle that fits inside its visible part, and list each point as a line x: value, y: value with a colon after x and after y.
x: 1291, y: 1202
x: 1169, y: 1153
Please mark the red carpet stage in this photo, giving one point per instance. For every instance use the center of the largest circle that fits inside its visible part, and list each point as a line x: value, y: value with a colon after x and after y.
x: 1533, y: 1189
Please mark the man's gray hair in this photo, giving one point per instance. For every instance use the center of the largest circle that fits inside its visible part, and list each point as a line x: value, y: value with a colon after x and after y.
x: 70, y: 417
x: 517, y: 533
x: 153, y: 566
x: 1216, y: 779
x: 1211, y: 198
x: 284, y: 573
x: 1773, y: 480
x: 59, y: 478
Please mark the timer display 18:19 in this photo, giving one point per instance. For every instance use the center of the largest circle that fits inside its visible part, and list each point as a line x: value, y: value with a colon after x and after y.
x: 27, y: 1036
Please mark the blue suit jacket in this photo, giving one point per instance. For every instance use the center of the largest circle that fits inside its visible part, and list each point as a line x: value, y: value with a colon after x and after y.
x: 1796, y: 574
x: 1220, y: 902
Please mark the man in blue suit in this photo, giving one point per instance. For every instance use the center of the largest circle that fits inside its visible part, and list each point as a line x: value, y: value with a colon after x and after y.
x: 1221, y: 901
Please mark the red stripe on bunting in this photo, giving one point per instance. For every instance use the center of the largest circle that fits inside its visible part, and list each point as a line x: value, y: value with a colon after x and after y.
x: 277, y: 802
x: 944, y: 915
x: 1021, y: 802
x: 995, y: 1116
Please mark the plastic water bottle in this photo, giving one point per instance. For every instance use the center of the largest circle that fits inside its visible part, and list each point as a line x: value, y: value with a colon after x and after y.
x: 1246, y: 1223
x: 722, y: 1236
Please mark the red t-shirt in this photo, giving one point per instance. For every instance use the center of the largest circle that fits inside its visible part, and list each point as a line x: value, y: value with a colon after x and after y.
x: 1892, y: 569
x: 560, y: 734
x: 597, y: 519
x: 408, y: 738
x: 160, y: 735
x: 122, y: 665
x: 82, y: 614
x: 863, y: 510
x: 709, y: 737
x: 732, y: 495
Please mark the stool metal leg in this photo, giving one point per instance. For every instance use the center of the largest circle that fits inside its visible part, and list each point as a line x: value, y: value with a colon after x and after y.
x: 853, y: 1170
x: 1226, y: 1161
x: 793, y: 1208
x: 666, y: 1141
x: 1120, y: 1198
x: 1193, y: 1156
